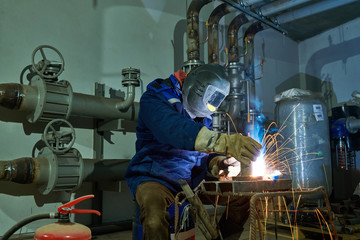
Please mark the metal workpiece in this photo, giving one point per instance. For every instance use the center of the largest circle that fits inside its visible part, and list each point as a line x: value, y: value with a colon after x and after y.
x: 247, y: 186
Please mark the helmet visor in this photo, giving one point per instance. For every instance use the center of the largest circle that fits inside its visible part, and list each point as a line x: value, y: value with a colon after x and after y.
x: 213, y: 97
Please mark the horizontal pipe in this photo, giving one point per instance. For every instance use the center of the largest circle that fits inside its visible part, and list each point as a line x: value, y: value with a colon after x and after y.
x: 36, y: 170
x: 84, y: 105
x: 14, y: 96
x: 353, y: 125
x: 276, y: 7
x: 105, y: 169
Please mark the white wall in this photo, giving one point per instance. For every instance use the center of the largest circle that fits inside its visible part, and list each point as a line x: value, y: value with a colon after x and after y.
x: 280, y: 55
x: 97, y: 39
x: 334, y: 57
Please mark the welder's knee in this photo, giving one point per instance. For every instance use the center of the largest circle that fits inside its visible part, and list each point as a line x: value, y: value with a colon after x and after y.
x: 156, y: 225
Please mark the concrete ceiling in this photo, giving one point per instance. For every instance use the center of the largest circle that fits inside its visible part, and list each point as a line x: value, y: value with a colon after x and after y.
x: 313, y: 17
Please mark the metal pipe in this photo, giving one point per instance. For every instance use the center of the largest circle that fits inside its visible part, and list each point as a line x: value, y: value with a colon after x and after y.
x: 96, y: 170
x: 279, y: 6
x: 353, y: 125
x: 192, y: 16
x: 251, y: 2
x: 21, y: 170
x: 312, y: 9
x: 25, y: 98
x: 213, y: 31
x: 39, y: 170
x: 124, y: 105
x: 232, y: 37
x: 254, y: 15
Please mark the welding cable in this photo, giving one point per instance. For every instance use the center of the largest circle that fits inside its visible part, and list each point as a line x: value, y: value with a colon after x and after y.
x: 27, y: 220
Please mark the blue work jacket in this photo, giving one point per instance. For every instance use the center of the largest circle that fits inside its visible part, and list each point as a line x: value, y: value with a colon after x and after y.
x: 165, y: 140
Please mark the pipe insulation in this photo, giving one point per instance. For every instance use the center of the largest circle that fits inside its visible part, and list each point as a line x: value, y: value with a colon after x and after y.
x: 192, y: 16
x: 213, y: 31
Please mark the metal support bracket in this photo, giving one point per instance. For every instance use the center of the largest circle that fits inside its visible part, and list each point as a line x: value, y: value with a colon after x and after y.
x: 117, y: 125
x: 243, y: 9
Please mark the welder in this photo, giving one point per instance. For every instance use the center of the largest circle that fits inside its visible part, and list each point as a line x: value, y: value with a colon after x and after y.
x: 175, y: 141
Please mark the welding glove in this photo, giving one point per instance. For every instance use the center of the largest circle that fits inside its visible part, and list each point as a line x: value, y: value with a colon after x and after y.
x: 242, y: 148
x: 224, y: 167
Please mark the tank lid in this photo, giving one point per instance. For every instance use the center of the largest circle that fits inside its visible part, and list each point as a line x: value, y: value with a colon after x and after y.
x: 291, y: 94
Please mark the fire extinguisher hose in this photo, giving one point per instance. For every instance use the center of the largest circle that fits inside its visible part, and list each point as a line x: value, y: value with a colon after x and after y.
x: 27, y: 220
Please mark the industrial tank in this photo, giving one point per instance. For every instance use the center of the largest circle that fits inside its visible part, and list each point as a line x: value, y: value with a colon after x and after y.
x: 305, y: 147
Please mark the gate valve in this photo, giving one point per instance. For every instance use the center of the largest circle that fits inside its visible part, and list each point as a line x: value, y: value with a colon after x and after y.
x: 66, y: 208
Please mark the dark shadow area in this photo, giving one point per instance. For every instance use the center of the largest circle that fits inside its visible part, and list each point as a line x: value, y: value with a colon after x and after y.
x: 333, y: 53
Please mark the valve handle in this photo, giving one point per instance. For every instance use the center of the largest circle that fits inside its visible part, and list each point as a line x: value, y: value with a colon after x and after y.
x: 65, y: 209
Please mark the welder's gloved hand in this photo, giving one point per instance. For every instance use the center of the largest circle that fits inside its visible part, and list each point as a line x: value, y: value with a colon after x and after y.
x: 242, y: 148
x: 224, y: 167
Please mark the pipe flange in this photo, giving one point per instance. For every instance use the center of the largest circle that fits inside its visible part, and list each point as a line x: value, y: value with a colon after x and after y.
x: 131, y: 77
x: 190, y: 64
x: 349, y: 126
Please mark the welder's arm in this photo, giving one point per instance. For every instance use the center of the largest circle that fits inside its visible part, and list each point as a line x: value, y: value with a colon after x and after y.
x: 167, y: 125
x: 242, y: 148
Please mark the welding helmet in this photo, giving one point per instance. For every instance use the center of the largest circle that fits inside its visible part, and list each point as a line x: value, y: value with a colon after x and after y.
x: 204, y: 89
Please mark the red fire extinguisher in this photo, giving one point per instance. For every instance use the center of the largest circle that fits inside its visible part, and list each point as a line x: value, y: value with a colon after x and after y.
x: 61, y: 230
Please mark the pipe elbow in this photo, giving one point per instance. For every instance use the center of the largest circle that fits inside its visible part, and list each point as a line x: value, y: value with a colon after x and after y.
x: 130, y: 97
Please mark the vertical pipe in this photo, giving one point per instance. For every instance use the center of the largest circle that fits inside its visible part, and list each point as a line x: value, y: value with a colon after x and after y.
x: 249, y: 67
x: 232, y: 36
x: 213, y: 31
x: 192, y: 16
x: 234, y: 71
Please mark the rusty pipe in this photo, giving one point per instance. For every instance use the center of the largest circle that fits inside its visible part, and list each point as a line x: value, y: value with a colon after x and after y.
x: 192, y: 16
x: 37, y: 170
x: 213, y: 31
x: 232, y: 36
x: 19, y: 170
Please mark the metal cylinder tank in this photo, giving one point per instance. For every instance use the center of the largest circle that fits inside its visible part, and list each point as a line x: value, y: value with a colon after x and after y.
x: 304, y: 150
